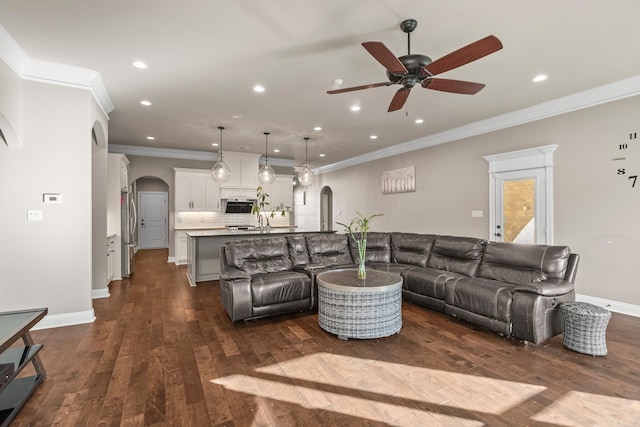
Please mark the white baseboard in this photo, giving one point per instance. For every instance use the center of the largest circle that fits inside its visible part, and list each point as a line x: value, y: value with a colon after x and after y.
x: 66, y: 319
x: 100, y: 293
x: 171, y: 259
x: 618, y: 307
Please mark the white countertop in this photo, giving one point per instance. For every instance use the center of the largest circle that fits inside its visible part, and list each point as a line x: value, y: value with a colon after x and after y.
x: 212, y: 233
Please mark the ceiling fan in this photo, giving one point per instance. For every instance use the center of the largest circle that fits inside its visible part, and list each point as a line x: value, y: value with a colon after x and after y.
x: 409, y: 70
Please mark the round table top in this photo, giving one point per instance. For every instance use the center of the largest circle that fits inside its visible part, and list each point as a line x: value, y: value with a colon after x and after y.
x: 346, y: 279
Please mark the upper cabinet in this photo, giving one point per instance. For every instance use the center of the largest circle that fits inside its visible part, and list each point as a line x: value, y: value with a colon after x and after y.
x: 280, y: 192
x: 195, y: 190
x: 244, y: 170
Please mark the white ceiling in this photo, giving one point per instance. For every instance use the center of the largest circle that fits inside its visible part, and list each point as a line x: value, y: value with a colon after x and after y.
x: 205, y: 56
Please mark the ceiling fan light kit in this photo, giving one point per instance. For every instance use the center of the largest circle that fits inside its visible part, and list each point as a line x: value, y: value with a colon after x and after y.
x: 220, y: 171
x: 266, y: 174
x: 414, y: 69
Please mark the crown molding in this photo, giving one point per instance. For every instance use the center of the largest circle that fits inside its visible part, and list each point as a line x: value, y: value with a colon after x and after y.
x: 171, y: 153
x: 586, y: 99
x: 51, y: 72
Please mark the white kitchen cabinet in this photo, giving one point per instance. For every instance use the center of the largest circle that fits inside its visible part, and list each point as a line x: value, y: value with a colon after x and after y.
x: 111, y: 257
x: 280, y: 192
x: 244, y: 170
x: 181, y: 247
x: 195, y: 190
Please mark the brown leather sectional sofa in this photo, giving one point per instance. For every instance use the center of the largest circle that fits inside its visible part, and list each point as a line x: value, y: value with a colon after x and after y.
x: 513, y: 289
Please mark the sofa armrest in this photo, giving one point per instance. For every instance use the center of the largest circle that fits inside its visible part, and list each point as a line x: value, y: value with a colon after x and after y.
x: 548, y: 288
x: 232, y: 273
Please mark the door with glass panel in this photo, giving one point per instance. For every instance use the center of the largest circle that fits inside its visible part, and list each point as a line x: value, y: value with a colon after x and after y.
x: 520, y: 211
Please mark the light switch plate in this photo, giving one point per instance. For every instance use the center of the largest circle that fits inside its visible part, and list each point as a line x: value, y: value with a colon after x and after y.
x: 477, y: 214
x: 34, y: 215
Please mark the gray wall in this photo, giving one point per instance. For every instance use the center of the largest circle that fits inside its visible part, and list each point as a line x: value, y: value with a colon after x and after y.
x: 49, y: 263
x: 596, y: 211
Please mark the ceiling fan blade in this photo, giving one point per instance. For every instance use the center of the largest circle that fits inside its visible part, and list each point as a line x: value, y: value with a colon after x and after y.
x: 454, y: 86
x: 351, y: 89
x: 464, y: 55
x: 399, y: 99
x: 384, y: 56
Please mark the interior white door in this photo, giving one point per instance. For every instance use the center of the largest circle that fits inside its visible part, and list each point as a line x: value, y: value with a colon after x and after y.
x: 520, y: 212
x: 152, y: 219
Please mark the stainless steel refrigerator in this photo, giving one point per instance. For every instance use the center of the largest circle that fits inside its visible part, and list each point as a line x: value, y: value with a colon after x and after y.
x: 128, y: 221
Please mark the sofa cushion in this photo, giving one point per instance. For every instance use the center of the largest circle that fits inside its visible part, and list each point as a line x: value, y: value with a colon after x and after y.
x: 279, y: 287
x: 522, y: 264
x: 427, y: 281
x: 457, y: 254
x: 329, y: 249
x: 257, y: 256
x: 411, y: 248
x: 378, y: 247
x: 298, y: 250
x: 488, y: 298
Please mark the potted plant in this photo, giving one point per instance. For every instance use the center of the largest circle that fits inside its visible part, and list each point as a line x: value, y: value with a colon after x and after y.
x: 360, y: 226
x: 260, y: 209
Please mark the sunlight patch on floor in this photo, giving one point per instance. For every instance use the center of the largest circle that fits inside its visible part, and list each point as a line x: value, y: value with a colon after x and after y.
x: 576, y: 409
x: 340, y: 403
x: 439, y: 387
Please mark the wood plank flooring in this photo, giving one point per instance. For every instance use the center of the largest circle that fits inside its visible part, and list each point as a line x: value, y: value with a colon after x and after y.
x: 161, y: 353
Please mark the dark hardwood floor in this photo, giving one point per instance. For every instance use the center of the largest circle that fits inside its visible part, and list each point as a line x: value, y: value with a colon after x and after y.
x: 165, y: 354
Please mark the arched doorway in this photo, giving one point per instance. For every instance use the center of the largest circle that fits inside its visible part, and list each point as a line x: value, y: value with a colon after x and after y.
x: 326, y: 209
x: 152, y: 195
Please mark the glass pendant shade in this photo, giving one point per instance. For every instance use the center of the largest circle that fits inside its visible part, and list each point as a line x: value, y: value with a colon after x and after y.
x: 266, y: 174
x: 305, y: 176
x: 220, y: 171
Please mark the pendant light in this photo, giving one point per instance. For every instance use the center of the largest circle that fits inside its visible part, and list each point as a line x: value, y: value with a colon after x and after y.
x: 220, y: 171
x: 305, y: 176
x: 266, y: 174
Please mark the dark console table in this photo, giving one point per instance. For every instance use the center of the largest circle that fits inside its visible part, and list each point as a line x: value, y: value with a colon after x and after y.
x: 14, y: 391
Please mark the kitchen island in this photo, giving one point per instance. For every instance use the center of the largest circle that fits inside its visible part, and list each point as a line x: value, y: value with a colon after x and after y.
x: 203, y: 249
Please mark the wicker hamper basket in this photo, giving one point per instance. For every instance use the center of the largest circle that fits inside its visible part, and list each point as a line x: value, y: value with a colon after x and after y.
x: 584, y: 327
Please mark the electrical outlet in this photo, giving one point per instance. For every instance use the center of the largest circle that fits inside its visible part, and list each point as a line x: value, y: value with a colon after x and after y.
x: 34, y: 215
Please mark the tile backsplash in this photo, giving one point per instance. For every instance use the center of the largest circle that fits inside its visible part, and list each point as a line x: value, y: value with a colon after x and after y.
x: 194, y: 220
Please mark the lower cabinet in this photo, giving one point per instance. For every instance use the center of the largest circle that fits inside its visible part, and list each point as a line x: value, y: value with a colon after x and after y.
x: 111, y: 258
x: 181, y: 247
x: 204, y: 258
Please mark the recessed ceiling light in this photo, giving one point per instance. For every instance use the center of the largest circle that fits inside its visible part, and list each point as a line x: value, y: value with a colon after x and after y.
x: 145, y: 102
x: 321, y: 155
x: 258, y: 88
x: 276, y: 150
x: 317, y: 128
x: 540, y: 78
x: 373, y: 137
x: 355, y: 108
x: 151, y: 138
x: 140, y: 64
x: 236, y: 116
x: 419, y: 121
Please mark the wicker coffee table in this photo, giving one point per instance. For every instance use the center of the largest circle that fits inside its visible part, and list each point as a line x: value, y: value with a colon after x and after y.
x: 354, y: 308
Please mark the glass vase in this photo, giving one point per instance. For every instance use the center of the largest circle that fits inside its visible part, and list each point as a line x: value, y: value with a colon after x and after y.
x: 362, y: 252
